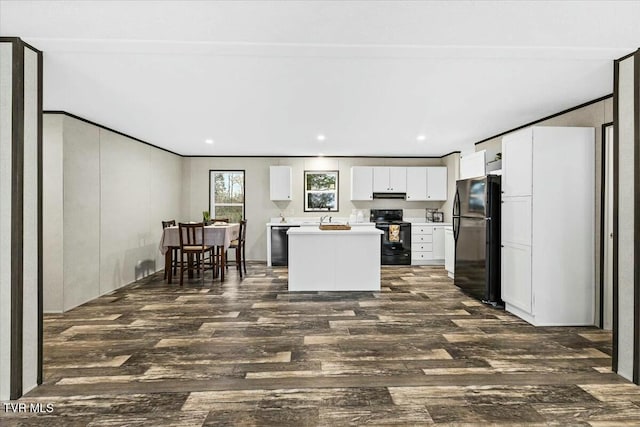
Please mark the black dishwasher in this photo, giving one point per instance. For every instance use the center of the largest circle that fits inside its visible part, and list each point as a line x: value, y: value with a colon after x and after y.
x: 280, y: 245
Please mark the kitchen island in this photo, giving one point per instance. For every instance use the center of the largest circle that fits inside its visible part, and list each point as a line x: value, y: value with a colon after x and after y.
x: 334, y: 260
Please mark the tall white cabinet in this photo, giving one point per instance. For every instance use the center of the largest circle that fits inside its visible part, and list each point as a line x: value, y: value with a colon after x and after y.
x: 548, y: 228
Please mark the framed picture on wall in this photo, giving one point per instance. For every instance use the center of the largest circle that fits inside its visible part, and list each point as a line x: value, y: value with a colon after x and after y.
x: 321, y: 191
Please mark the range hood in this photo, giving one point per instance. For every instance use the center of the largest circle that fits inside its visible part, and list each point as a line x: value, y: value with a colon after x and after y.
x: 402, y: 196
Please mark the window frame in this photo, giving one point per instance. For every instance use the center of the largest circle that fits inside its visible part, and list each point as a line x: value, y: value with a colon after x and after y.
x: 244, y: 190
x: 305, y: 192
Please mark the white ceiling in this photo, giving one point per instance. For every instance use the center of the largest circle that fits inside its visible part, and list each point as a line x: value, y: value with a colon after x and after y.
x: 265, y: 78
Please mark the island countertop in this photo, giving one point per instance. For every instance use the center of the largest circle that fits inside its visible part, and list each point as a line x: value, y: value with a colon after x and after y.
x: 315, y: 230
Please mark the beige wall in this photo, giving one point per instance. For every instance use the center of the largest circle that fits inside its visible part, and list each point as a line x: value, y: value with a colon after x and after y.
x: 452, y: 162
x: 6, y: 127
x: 593, y: 115
x: 106, y: 195
x: 259, y: 209
x: 626, y: 213
x: 19, y: 139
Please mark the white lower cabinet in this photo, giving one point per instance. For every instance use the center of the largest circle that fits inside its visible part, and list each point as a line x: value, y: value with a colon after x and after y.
x: 427, y: 244
x: 516, y: 277
x: 438, y: 242
x: 449, y: 252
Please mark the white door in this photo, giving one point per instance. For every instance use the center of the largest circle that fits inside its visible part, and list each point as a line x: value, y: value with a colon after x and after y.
x: 516, y: 276
x: 398, y: 180
x: 607, y: 294
x: 438, y: 242
x: 517, y: 163
x: 416, y: 184
x: 381, y: 180
x: 280, y: 182
x: 437, y: 183
x: 361, y: 183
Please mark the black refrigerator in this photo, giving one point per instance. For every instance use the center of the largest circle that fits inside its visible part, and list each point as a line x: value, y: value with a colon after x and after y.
x: 476, y: 230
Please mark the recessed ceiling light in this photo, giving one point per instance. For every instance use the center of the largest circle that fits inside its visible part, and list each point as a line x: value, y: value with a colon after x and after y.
x: 421, y: 137
x: 320, y: 154
x: 321, y: 137
x: 209, y: 141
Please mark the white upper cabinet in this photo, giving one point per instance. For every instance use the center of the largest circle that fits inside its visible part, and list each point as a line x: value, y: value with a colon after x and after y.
x: 437, y: 183
x: 416, y: 184
x: 398, y: 180
x: 517, y: 163
x: 362, y: 183
x: 473, y: 165
x: 389, y: 179
x: 427, y: 183
x: 280, y: 182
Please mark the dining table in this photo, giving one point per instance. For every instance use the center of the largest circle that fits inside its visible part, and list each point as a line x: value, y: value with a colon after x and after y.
x: 219, y: 236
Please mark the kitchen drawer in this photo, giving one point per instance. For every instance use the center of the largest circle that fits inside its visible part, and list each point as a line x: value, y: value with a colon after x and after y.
x: 421, y: 256
x: 422, y: 229
x: 421, y: 238
x: 421, y: 247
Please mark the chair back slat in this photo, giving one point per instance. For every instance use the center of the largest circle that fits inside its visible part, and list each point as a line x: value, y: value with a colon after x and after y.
x: 243, y: 230
x: 191, y: 234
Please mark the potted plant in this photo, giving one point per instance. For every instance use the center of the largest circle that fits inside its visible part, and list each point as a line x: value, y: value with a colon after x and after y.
x: 206, y: 216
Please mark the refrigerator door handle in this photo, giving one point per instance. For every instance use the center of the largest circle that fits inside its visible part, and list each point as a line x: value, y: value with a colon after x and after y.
x: 456, y: 228
x: 456, y: 204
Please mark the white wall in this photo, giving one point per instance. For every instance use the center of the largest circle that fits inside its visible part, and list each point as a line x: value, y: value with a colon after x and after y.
x: 52, y: 201
x: 80, y: 213
x: 259, y: 209
x: 116, y: 192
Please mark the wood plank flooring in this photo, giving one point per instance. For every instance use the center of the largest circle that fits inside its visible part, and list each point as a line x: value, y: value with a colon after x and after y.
x: 247, y: 352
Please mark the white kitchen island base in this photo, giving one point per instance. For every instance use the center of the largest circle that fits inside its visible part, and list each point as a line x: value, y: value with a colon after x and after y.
x: 334, y: 260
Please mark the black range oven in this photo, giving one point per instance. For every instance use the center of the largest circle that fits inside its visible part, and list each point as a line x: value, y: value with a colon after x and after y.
x: 396, y: 240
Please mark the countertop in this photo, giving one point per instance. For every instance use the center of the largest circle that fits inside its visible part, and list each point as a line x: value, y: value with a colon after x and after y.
x: 315, y: 224
x: 313, y: 230
x: 440, y: 224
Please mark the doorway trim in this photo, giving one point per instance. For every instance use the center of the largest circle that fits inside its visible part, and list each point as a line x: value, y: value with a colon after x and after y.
x: 603, y: 208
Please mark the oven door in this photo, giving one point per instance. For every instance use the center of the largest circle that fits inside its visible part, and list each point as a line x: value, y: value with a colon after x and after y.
x: 395, y: 244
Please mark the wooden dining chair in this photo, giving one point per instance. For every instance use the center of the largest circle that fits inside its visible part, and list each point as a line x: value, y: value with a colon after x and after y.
x: 193, y: 246
x: 174, y: 250
x: 239, y: 244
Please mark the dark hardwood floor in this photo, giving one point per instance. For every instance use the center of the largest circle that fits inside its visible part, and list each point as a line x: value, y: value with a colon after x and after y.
x: 249, y: 353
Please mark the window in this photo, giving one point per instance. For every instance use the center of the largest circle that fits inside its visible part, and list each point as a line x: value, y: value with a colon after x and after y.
x: 226, y: 199
x: 321, y: 191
